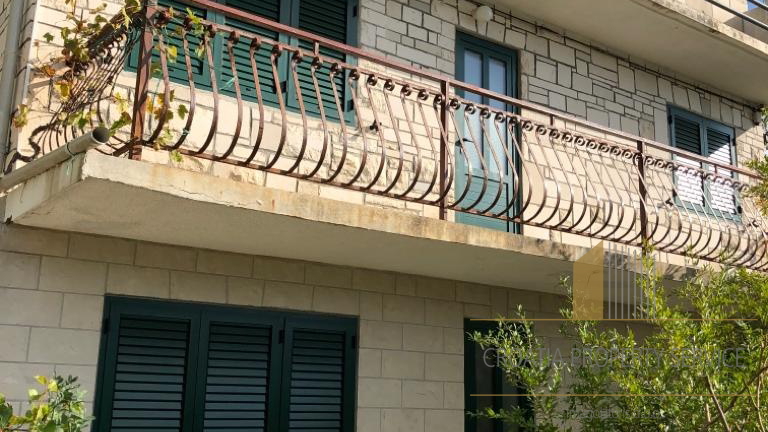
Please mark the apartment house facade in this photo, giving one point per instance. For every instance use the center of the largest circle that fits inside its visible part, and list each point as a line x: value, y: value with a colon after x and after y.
x: 344, y: 185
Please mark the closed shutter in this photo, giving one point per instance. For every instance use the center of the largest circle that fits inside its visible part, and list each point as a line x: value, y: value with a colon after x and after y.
x: 147, y: 373
x: 177, y: 71
x: 722, y: 197
x: 319, y: 382
x: 327, y: 18
x: 687, y: 136
x: 239, y: 373
x: 269, y: 9
x: 173, y: 367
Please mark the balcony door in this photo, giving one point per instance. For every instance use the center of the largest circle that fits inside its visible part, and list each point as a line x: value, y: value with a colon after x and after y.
x: 481, y: 161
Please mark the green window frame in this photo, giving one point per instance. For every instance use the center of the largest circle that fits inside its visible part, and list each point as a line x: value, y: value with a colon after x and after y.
x: 321, y: 17
x: 476, y: 370
x: 195, y: 367
x: 714, y: 141
x: 489, y: 51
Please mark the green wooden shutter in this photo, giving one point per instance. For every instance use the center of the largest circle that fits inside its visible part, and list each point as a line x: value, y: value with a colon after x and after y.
x: 270, y: 9
x: 173, y: 367
x: 242, y: 370
x: 687, y: 135
x: 147, y: 365
x: 330, y: 19
x: 318, y: 383
x: 177, y: 71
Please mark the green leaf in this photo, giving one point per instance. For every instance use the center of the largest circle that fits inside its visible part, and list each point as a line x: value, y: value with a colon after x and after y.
x: 48, y: 37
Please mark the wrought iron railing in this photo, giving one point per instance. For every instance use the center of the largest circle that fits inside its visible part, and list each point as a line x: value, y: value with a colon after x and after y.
x: 317, y: 110
x: 756, y: 5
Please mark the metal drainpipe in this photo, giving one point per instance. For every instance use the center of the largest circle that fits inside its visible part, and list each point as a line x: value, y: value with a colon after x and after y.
x: 8, y: 79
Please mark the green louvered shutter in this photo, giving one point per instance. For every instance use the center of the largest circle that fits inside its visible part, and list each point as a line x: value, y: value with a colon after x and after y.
x: 721, y: 197
x: 687, y: 134
x: 177, y: 71
x: 330, y: 19
x: 269, y: 9
x: 242, y: 370
x: 318, y: 382
x: 146, y: 374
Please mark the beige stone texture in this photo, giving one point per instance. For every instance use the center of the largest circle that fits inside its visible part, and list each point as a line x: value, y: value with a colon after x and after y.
x: 198, y: 287
x: 82, y: 311
x: 53, y: 345
x: 69, y: 275
x: 287, y: 295
x: 247, y: 292
x: 104, y: 249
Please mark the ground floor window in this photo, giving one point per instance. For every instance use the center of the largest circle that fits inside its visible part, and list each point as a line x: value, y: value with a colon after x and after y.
x: 169, y: 366
x: 483, y: 377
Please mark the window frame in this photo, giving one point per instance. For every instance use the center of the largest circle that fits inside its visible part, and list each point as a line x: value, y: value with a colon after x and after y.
x: 470, y: 405
x: 199, y: 316
x: 510, y: 57
x: 704, y: 124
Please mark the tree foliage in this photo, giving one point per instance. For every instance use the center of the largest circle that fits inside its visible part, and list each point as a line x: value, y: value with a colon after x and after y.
x: 59, y: 407
x: 703, y: 367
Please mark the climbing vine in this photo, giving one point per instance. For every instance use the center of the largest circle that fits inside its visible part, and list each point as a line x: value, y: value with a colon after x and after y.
x: 71, y: 51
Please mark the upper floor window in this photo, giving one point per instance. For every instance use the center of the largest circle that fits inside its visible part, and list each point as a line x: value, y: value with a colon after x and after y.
x: 332, y: 19
x: 716, y: 143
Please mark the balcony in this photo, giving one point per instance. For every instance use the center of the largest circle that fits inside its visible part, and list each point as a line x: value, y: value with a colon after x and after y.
x: 369, y: 163
x: 718, y: 43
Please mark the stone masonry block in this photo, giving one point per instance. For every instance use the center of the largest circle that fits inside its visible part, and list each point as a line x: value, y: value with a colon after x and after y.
x: 336, y: 300
x: 82, y: 311
x: 104, y: 249
x: 423, y: 338
x: 138, y: 281
x: 403, y: 309
x: 246, y: 292
x: 378, y: 334
x: 30, y: 307
x: 423, y: 394
x: 402, y: 364
x: 224, y: 263
x: 15, y: 340
x: 278, y: 270
x: 33, y: 241
x: 328, y: 275
x: 50, y: 345
x: 19, y: 270
x: 198, y: 287
x: 69, y: 275
x: 287, y: 295
x: 379, y: 393
x: 165, y: 256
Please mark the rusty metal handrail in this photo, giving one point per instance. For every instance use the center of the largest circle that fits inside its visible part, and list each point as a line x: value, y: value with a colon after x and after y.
x: 741, y: 15
x: 438, y: 77
x: 410, y: 137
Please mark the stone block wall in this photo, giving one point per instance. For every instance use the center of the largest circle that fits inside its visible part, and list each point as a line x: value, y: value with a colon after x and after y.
x: 559, y: 70
x: 411, y: 373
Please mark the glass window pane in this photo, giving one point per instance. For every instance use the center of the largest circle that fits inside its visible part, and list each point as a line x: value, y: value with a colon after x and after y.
x: 473, y: 68
x: 497, y: 82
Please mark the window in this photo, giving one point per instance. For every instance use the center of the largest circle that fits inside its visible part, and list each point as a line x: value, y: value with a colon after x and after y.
x: 333, y: 19
x: 481, y: 376
x: 492, y: 67
x: 715, y: 142
x: 193, y: 367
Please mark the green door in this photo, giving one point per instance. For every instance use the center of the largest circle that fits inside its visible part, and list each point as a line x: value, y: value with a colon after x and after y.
x: 481, y: 161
